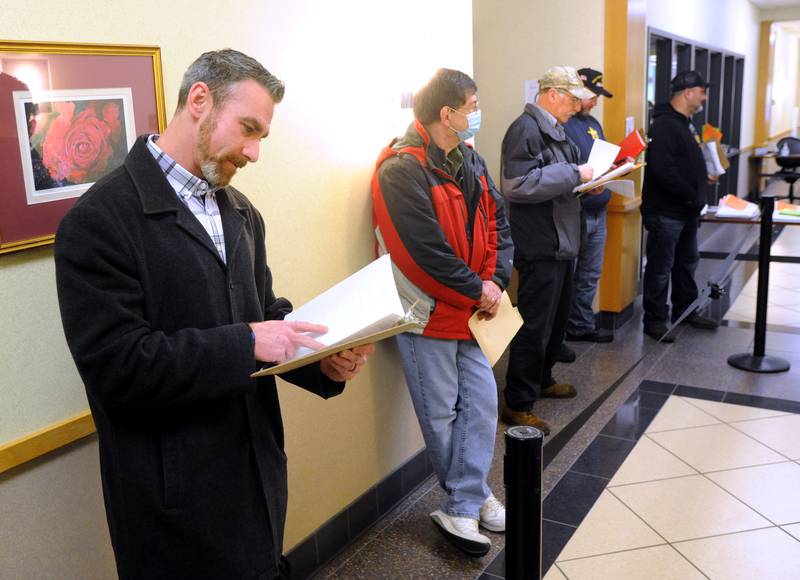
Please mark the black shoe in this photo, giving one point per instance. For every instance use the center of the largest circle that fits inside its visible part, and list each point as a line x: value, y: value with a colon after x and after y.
x: 566, y: 354
x: 658, y: 329
x: 591, y: 336
x: 696, y: 321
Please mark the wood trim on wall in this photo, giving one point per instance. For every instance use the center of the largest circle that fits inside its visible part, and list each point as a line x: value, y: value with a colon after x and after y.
x: 763, y: 82
x: 45, y: 440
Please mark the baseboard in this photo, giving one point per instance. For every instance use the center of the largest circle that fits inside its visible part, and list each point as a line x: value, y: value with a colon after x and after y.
x: 346, y: 526
x: 614, y: 320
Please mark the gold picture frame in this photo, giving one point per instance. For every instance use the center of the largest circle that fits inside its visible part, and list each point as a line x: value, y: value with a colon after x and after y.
x: 68, y: 114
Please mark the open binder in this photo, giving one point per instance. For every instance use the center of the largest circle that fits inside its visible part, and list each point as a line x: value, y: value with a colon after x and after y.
x: 361, y: 309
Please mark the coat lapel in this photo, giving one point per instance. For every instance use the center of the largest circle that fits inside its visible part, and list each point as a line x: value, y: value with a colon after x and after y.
x: 157, y: 195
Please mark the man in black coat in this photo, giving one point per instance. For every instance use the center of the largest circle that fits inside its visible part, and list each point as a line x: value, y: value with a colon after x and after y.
x: 167, y: 305
x: 672, y: 198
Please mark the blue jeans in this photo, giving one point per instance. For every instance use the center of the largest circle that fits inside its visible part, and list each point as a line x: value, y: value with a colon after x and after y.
x: 672, y: 255
x: 455, y: 397
x: 588, y: 267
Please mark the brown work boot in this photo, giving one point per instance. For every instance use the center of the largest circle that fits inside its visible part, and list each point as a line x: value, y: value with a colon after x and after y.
x: 512, y: 417
x: 559, y: 391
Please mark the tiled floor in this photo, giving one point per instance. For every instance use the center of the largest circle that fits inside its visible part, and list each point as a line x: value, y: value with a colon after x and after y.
x: 658, y: 438
x: 704, y: 493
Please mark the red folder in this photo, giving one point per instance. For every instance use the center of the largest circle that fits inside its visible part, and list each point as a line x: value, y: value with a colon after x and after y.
x: 631, y: 146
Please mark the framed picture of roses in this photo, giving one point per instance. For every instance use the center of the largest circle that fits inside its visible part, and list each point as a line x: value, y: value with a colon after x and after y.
x: 69, y: 113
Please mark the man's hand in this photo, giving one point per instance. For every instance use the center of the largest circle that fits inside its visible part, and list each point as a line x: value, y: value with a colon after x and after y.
x: 490, y: 300
x: 713, y: 178
x: 586, y: 171
x: 345, y: 365
x: 278, y: 340
x: 597, y: 190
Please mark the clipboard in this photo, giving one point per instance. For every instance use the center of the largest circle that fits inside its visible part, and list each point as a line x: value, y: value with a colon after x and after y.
x: 610, y: 176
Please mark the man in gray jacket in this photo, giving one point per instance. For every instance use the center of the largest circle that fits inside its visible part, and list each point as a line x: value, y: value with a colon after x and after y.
x: 539, y: 170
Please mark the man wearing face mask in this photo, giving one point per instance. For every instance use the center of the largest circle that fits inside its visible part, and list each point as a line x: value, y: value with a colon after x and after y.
x: 672, y: 197
x: 438, y: 214
x: 540, y: 167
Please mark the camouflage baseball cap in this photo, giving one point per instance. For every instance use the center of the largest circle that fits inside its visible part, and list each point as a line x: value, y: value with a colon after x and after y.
x: 567, y: 79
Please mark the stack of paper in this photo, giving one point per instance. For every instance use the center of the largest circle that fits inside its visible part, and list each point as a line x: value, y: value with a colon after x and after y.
x: 786, y: 212
x: 731, y: 206
x: 361, y: 309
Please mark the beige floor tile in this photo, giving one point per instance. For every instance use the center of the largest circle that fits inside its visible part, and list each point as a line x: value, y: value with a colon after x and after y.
x: 609, y: 527
x: 794, y: 529
x: 678, y: 414
x: 554, y: 574
x: 649, y: 461
x: 762, y: 554
x: 771, y: 490
x: 686, y: 508
x: 657, y: 563
x: 728, y: 412
x: 716, y: 447
x: 780, y: 433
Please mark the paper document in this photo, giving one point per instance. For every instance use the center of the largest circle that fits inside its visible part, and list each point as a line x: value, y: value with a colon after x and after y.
x: 631, y: 146
x: 786, y: 212
x: 731, y: 206
x: 601, y: 157
x: 494, y: 335
x: 711, y: 156
x: 623, y: 169
x: 361, y: 309
x: 623, y: 187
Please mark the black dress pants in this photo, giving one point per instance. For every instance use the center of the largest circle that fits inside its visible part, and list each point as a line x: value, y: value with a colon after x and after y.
x: 543, y: 298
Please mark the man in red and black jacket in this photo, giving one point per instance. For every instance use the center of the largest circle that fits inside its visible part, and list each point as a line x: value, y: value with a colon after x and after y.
x: 438, y: 214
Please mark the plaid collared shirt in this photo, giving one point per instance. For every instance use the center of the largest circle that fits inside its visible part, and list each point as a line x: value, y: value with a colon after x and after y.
x: 195, y: 193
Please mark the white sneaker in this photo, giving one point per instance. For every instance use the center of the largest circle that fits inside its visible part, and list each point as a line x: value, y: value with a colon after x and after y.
x: 493, y: 514
x: 463, y: 533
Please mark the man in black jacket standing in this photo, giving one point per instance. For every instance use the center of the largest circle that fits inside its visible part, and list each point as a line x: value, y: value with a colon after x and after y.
x: 672, y: 197
x: 167, y: 304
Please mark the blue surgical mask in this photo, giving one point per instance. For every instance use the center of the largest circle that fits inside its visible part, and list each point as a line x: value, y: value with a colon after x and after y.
x: 473, y: 125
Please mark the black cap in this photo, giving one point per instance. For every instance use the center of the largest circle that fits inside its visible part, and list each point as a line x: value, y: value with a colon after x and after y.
x: 687, y: 80
x: 593, y: 80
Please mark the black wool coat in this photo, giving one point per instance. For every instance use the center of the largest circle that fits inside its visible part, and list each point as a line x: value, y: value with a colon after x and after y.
x: 191, y: 448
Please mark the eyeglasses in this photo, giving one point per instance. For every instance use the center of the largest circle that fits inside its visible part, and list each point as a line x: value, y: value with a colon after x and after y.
x: 573, y: 99
x: 475, y: 110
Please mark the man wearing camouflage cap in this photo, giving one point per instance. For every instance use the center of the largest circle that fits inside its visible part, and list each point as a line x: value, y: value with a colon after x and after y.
x: 539, y: 169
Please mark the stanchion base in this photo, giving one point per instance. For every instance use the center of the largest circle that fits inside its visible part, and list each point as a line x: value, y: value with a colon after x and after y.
x: 747, y: 361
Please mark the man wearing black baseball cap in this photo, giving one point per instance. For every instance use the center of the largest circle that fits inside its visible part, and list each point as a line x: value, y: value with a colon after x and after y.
x: 672, y: 197
x: 583, y: 129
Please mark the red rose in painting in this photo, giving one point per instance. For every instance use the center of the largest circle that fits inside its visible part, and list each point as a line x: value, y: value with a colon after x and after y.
x: 78, y: 147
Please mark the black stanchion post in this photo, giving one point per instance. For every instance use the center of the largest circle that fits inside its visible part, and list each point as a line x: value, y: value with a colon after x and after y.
x: 523, y: 480
x: 758, y: 361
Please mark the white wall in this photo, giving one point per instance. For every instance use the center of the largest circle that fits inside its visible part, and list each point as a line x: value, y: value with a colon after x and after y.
x: 784, y: 80
x: 345, y: 64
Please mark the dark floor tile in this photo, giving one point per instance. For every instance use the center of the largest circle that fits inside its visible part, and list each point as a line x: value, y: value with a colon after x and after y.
x: 303, y: 558
x: 498, y: 565
x: 572, y: 498
x: 604, y: 456
x: 656, y: 387
x: 647, y: 399
x: 699, y: 393
x: 390, y: 491
x: 762, y: 402
x: 363, y: 512
x: 332, y: 537
x: 629, y: 422
x: 415, y: 471
x: 554, y: 537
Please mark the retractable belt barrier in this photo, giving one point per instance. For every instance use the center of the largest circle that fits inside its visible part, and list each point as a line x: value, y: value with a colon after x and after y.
x: 526, y: 456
